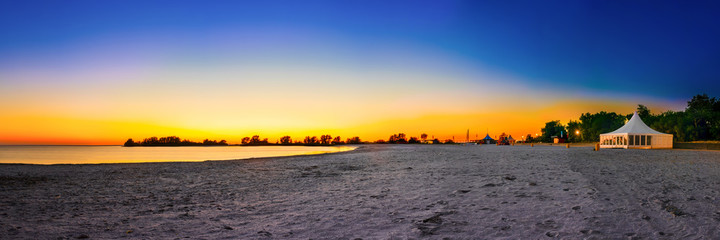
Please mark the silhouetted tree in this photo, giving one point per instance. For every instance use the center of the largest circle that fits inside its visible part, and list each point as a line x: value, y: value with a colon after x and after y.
x: 337, y: 140
x: 325, y: 139
x: 310, y: 140
x: 129, y: 143
x: 397, y: 138
x: 413, y: 140
x: 255, y: 139
x: 245, y: 140
x: 354, y: 140
x: 529, y: 138
x: 286, y: 140
x: 423, y: 136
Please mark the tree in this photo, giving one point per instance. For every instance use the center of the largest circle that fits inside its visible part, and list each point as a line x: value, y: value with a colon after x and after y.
x: 151, y: 141
x: 529, y: 138
x: 245, y: 140
x: 397, y: 138
x: 337, y: 140
x: 310, y: 140
x: 552, y: 128
x: 423, y: 136
x: 704, y: 113
x: 325, y: 139
x: 593, y: 125
x: 130, y: 143
x: 413, y: 140
x: 255, y: 139
x: 573, y: 131
x: 449, y: 141
x: 354, y: 140
x: 286, y: 140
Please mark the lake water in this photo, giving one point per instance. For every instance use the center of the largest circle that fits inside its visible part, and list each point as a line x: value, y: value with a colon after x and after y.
x: 119, y: 154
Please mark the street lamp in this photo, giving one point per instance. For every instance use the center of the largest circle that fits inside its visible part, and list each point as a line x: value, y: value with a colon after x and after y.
x: 577, y: 132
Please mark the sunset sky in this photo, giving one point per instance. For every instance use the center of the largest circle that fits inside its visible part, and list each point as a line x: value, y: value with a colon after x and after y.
x: 99, y: 72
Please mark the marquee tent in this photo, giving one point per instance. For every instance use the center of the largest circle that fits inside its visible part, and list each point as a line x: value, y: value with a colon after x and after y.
x: 488, y: 139
x: 635, y: 134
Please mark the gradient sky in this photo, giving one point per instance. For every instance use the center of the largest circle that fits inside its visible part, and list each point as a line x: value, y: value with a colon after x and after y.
x: 98, y: 72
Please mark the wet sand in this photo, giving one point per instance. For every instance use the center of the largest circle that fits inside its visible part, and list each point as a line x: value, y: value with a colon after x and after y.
x: 375, y: 192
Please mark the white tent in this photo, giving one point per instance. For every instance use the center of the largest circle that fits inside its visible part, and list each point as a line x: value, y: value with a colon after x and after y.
x: 635, y: 134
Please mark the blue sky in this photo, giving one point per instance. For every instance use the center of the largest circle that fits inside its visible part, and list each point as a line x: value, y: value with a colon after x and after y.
x: 666, y: 49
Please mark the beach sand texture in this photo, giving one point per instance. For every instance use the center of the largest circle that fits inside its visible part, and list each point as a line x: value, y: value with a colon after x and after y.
x: 376, y: 192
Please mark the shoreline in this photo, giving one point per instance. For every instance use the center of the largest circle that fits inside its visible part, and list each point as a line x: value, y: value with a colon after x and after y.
x: 342, y: 150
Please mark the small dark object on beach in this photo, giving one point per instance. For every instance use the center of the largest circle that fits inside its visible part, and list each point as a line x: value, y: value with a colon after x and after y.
x: 434, y: 219
x: 463, y: 191
x: 226, y: 227
x: 576, y: 208
x: 83, y: 236
x: 265, y: 233
x: 532, y: 183
x: 511, y: 178
x: 675, y: 211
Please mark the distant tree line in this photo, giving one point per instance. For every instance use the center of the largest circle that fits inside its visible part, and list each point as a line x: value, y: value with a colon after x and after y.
x: 172, y: 141
x: 324, y: 140
x: 699, y: 122
x: 401, y: 138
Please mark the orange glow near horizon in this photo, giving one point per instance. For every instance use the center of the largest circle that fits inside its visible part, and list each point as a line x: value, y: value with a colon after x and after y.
x: 55, y: 130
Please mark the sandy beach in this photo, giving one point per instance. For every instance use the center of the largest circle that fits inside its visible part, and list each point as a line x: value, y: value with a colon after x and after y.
x: 375, y: 192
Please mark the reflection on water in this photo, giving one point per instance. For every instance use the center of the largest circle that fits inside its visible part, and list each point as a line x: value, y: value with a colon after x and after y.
x: 118, y: 154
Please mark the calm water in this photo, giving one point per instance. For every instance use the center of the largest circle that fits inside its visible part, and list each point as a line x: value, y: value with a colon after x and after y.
x: 118, y: 154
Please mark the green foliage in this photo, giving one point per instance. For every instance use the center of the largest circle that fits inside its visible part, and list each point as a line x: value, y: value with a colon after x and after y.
x: 552, y: 128
x: 574, y: 131
x: 593, y: 125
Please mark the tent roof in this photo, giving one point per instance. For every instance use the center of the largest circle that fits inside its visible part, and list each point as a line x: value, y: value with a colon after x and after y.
x: 510, y: 137
x: 487, y: 137
x: 635, y: 126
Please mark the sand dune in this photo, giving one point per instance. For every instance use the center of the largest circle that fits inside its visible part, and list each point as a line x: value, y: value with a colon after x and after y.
x: 375, y: 192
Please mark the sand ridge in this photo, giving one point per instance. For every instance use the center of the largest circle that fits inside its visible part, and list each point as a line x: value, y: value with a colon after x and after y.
x: 375, y: 192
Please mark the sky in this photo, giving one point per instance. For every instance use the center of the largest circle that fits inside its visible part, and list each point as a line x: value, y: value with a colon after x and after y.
x: 99, y: 72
